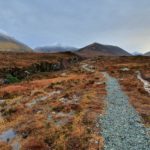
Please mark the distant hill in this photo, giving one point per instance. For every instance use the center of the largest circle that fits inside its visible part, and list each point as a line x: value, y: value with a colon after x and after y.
x: 9, y: 44
x: 147, y: 54
x: 137, y: 54
x: 97, y: 49
x: 54, y: 49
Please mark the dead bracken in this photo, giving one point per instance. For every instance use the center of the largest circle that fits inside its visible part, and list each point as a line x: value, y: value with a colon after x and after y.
x: 60, y: 109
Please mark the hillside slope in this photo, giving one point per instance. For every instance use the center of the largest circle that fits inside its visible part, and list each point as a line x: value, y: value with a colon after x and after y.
x: 97, y: 49
x: 147, y: 54
x: 54, y: 49
x: 9, y: 44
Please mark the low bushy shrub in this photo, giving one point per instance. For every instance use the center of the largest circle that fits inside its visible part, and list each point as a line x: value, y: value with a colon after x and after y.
x: 11, y: 79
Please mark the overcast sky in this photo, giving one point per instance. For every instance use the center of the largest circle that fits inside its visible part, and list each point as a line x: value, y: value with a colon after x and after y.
x: 125, y: 23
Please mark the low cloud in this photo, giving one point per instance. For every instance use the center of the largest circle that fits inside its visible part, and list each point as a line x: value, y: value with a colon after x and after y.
x: 3, y: 32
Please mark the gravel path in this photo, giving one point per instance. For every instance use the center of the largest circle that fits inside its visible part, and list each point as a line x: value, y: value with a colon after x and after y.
x: 121, y: 125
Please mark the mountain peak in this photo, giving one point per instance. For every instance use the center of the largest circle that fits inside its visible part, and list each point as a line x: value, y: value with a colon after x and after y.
x: 96, y: 49
x: 95, y: 44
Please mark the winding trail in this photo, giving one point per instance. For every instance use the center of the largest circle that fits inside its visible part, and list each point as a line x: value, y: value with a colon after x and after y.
x: 121, y: 125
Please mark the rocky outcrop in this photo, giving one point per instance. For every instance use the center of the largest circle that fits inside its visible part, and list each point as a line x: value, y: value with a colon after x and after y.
x: 42, y: 66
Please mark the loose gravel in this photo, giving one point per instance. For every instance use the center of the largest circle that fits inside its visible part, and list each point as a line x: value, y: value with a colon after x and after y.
x: 121, y: 126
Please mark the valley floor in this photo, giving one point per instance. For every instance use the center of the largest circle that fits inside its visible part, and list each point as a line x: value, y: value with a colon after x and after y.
x: 78, y: 107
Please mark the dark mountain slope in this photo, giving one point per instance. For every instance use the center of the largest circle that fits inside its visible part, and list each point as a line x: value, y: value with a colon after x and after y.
x: 147, y: 54
x: 97, y: 49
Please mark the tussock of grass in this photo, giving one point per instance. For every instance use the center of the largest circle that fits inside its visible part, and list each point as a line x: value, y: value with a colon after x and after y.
x: 55, y: 124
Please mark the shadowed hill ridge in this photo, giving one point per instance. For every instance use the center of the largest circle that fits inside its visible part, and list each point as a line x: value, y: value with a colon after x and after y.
x: 147, y: 54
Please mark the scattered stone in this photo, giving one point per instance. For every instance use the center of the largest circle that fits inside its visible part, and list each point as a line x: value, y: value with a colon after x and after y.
x: 63, y: 74
x: 125, y: 69
x: 72, y: 100
x: 54, y: 92
x: 87, y: 68
x: 2, y: 101
x: 25, y: 134
x: 53, y: 113
x: 42, y: 98
x: 64, y: 100
x: 75, y: 98
x: 99, y: 83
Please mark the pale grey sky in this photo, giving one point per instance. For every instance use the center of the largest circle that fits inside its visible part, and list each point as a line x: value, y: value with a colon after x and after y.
x: 125, y: 23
